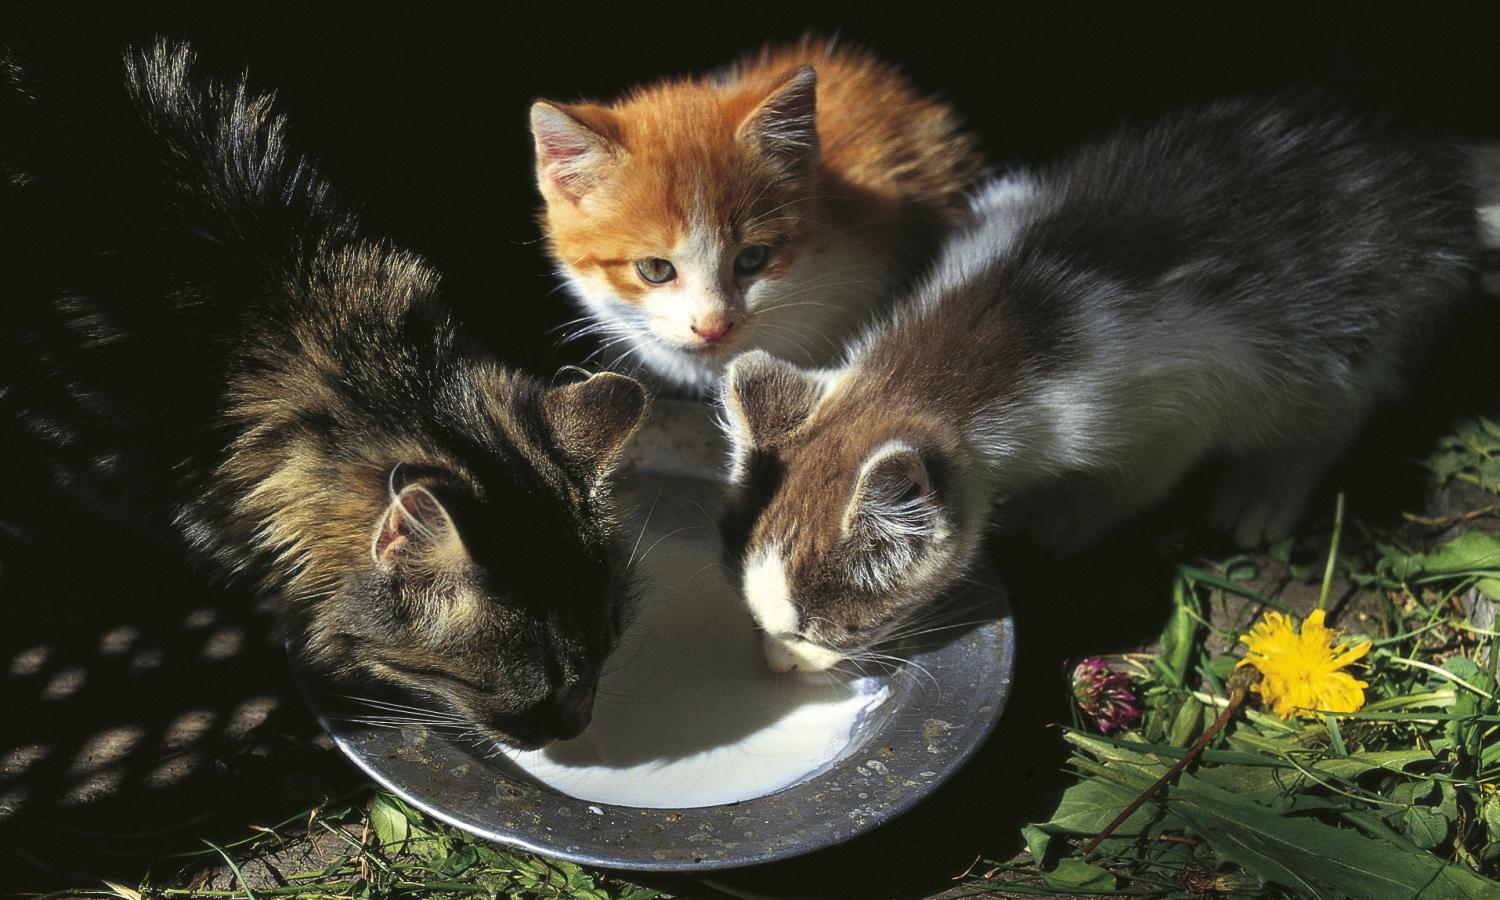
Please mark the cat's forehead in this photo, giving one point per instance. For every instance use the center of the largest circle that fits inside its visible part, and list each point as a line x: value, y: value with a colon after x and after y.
x: 818, y: 467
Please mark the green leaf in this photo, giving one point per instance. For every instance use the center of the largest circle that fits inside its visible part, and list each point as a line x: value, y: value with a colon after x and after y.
x: 1091, y: 804
x: 1448, y: 802
x: 1280, y: 789
x: 1357, y: 764
x: 1491, y: 813
x: 1222, y: 666
x: 1470, y: 553
x: 1180, y: 638
x: 1037, y: 841
x: 1312, y: 858
x: 1186, y: 723
x: 459, y: 861
x: 389, y: 822
x: 1414, y: 792
x: 1424, y: 826
x: 1077, y: 875
x: 1474, y: 449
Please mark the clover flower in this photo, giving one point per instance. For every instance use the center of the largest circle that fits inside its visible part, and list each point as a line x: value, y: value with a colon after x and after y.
x: 1302, y: 673
x: 1106, y: 697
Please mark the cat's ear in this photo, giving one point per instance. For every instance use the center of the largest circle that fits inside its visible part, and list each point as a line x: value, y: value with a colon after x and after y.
x: 573, y: 149
x: 764, y: 398
x: 893, y: 513
x: 415, y: 530
x: 784, y: 126
x: 592, y: 420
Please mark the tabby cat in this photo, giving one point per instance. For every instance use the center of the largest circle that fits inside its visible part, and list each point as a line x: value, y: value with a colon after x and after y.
x: 203, y: 342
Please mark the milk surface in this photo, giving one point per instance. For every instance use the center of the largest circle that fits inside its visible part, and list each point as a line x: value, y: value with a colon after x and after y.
x: 687, y: 713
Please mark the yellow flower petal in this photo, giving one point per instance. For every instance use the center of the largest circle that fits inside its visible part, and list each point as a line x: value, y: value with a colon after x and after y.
x: 1301, y: 672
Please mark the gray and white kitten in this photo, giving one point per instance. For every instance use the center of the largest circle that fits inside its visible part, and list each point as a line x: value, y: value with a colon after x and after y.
x: 1240, y: 283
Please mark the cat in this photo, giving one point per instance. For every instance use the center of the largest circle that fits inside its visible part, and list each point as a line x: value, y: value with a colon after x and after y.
x: 1240, y: 283
x: 204, y: 344
x: 774, y: 205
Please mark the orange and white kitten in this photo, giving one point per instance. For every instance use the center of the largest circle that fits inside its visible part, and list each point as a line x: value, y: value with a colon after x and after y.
x: 774, y: 205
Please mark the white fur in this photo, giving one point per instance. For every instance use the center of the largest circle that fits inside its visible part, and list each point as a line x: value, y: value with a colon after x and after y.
x: 883, y: 518
x: 1000, y: 208
x: 797, y: 655
x: 804, y: 316
x: 770, y: 602
x: 768, y: 595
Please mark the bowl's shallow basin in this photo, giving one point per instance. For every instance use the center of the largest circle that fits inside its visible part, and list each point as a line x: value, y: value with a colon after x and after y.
x: 941, y: 706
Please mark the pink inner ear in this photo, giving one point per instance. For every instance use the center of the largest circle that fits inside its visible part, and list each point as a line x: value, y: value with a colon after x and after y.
x: 558, y: 149
x: 415, y: 516
x: 392, y: 537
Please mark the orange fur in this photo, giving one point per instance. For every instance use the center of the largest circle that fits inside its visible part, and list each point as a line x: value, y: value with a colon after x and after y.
x: 671, y: 160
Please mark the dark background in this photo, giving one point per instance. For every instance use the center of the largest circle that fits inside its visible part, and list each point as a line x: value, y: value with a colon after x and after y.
x: 419, y: 117
x: 419, y: 112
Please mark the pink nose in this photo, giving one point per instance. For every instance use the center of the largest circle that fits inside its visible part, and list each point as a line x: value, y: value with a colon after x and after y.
x: 712, y: 330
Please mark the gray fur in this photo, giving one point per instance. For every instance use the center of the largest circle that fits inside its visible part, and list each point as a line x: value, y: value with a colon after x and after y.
x: 1241, y: 283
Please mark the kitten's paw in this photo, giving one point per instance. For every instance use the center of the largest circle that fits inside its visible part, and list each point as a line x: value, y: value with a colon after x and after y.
x: 1256, y: 515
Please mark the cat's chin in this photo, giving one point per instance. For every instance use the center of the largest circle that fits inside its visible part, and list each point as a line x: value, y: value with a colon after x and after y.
x: 709, y: 351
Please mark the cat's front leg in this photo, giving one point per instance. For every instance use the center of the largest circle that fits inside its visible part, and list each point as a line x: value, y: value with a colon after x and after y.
x: 1066, y: 522
x: 1257, y: 500
x: 1075, y: 516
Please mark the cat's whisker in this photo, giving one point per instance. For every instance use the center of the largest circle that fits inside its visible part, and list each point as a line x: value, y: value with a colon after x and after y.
x: 705, y: 568
x: 672, y: 533
x: 896, y: 663
x: 644, y: 525
x: 394, y: 706
x: 570, y: 323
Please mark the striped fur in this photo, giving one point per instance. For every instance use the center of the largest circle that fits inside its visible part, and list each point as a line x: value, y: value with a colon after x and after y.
x: 203, y: 342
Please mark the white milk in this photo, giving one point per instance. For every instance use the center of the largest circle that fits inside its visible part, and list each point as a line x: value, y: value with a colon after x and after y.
x: 687, y: 713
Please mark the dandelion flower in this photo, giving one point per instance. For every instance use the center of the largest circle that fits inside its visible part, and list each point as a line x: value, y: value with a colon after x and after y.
x: 1302, y: 674
x: 1106, y: 697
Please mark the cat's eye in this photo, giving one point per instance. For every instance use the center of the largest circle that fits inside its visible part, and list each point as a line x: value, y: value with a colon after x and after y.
x: 656, y: 270
x: 752, y: 259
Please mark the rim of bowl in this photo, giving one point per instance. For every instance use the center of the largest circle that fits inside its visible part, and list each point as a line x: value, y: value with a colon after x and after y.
x: 903, y: 759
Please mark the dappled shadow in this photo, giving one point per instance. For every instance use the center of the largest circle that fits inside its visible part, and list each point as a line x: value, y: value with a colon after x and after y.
x: 143, y: 710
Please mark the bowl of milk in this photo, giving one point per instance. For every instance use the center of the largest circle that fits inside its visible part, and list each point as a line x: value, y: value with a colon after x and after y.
x: 698, y: 755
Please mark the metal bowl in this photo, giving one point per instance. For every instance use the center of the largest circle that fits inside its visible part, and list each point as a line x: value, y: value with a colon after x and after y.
x: 942, y: 706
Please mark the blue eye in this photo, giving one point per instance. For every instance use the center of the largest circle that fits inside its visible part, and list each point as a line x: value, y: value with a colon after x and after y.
x: 752, y: 259
x: 656, y: 270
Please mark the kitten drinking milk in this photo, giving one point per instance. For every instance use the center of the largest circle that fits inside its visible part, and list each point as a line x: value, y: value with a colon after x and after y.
x: 773, y: 205
x: 204, y: 343
x: 1240, y: 284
